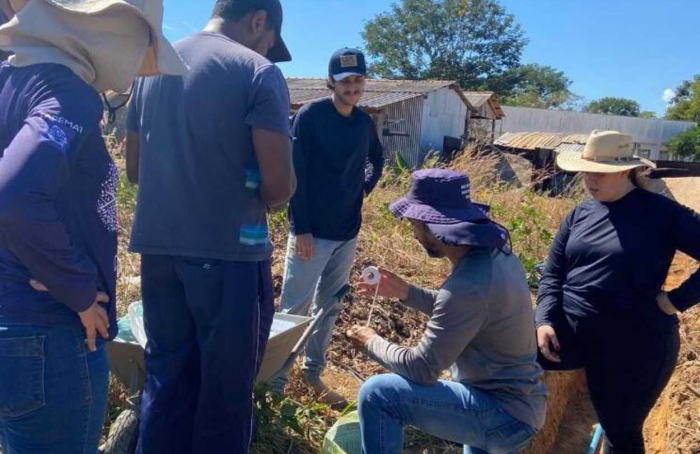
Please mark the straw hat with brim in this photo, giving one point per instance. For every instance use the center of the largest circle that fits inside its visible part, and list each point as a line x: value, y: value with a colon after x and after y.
x: 161, y: 57
x: 441, y: 199
x: 605, y: 152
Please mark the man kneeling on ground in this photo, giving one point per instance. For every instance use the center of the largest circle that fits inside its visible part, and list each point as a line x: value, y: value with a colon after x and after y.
x: 480, y: 325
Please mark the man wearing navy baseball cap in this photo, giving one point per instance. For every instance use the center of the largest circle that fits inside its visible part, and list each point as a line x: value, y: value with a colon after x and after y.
x: 346, y: 63
x: 338, y: 159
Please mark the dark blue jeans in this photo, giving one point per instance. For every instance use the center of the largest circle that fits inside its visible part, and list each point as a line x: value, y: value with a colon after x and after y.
x: 207, y: 323
x: 53, y: 392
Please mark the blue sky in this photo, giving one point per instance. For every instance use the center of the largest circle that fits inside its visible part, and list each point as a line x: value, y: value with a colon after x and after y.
x: 635, y: 49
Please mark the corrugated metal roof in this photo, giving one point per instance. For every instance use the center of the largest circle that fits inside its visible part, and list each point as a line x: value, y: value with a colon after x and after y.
x: 479, y: 98
x: 643, y: 130
x: 378, y: 93
x: 539, y: 140
x: 570, y: 147
x: 404, y: 86
x: 370, y: 100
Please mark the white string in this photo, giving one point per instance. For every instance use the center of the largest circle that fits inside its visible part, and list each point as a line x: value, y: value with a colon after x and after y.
x: 374, y: 301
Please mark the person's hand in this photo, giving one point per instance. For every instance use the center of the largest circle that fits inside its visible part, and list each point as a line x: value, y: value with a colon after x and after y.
x: 95, y: 319
x: 304, y: 246
x: 38, y: 286
x: 360, y: 336
x: 390, y: 286
x: 665, y: 304
x: 548, y: 343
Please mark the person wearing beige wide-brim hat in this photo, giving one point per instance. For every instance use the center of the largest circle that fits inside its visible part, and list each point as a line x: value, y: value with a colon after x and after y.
x: 107, y: 43
x: 58, y: 210
x: 605, y: 152
x: 601, y: 303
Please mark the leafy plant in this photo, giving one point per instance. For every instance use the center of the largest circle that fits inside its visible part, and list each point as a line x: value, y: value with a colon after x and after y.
x: 529, y: 233
x: 126, y: 192
x: 281, y: 420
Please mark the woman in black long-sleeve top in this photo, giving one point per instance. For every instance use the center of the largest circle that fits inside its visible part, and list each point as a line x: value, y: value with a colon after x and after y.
x: 601, y: 305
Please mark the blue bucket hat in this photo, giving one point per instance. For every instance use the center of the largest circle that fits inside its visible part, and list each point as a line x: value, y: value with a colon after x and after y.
x: 442, y: 200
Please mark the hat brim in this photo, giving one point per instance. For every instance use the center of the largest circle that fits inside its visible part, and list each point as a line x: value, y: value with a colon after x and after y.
x: 468, y: 226
x: 406, y: 209
x: 484, y: 234
x: 279, y: 52
x: 166, y: 59
x: 343, y: 76
x: 572, y: 161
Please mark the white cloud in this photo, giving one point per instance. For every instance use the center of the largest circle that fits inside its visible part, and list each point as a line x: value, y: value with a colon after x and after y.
x: 189, y: 26
x: 668, y: 95
x: 169, y: 28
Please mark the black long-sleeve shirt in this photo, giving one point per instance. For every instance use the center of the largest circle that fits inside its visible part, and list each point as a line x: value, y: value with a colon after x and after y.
x: 338, y: 160
x: 612, y: 259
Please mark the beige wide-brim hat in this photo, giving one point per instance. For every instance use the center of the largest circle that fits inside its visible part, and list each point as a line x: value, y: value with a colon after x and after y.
x: 605, y: 152
x: 161, y: 57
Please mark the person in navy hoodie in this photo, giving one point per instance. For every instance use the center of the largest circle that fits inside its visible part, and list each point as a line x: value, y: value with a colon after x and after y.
x: 58, y: 222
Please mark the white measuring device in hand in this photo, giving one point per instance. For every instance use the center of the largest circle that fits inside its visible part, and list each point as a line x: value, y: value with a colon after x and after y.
x: 372, y: 276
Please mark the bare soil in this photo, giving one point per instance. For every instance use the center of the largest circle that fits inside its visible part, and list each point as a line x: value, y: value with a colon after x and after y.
x: 674, y: 425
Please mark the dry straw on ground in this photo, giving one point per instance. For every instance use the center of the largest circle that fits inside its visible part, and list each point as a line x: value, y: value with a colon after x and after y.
x: 532, y: 219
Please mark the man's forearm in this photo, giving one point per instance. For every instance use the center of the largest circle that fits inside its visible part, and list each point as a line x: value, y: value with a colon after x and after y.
x: 421, y: 299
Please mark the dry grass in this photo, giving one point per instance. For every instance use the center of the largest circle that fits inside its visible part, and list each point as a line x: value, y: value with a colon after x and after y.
x: 532, y: 219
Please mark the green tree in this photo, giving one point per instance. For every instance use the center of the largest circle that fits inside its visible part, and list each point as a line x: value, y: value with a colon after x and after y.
x: 685, y: 106
x: 686, y: 144
x: 541, y: 87
x: 647, y: 114
x: 474, y: 42
x: 615, y: 106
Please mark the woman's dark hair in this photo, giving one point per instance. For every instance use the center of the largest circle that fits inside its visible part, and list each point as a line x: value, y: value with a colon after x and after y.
x: 639, y: 177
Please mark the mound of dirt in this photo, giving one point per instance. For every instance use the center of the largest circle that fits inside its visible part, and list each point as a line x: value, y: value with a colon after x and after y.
x: 674, y: 425
x: 685, y: 191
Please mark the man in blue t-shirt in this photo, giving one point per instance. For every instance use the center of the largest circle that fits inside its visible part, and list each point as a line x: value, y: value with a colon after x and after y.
x: 211, y: 152
x: 338, y: 159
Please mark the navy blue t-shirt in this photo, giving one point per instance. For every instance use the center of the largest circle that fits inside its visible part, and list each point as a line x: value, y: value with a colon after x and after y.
x: 58, y: 222
x: 199, y: 179
x: 612, y: 259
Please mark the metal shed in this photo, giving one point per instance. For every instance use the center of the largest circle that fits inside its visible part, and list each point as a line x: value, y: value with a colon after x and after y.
x: 485, y: 105
x: 485, y: 111
x: 649, y: 135
x: 413, y: 117
x: 532, y: 141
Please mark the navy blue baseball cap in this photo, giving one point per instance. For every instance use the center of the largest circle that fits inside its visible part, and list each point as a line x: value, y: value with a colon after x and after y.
x: 347, y: 62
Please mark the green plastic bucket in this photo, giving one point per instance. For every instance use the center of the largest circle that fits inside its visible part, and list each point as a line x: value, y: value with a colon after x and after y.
x: 344, y: 437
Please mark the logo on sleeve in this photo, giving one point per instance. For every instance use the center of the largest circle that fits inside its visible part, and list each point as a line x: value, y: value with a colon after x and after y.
x: 61, y: 131
x: 58, y: 137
